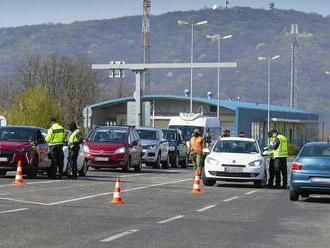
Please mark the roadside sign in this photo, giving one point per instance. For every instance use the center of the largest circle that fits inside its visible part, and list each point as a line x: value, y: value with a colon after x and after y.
x: 87, y: 112
x: 117, y: 73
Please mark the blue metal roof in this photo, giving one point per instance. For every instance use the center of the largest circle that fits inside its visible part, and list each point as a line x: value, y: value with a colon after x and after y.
x: 233, y: 105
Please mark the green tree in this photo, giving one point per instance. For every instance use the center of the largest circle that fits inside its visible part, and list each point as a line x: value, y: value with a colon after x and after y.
x: 33, y: 107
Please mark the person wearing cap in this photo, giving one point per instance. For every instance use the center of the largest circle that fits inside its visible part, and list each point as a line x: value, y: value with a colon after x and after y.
x: 196, y: 149
x: 55, y: 139
x: 75, y: 138
x: 280, y: 148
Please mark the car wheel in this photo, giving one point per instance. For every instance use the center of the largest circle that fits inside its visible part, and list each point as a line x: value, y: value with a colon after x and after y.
x: 156, y: 165
x: 206, y: 181
x: 294, y: 196
x: 166, y: 163
x: 83, y: 171
x: 3, y: 172
x: 138, y: 167
x: 175, y: 161
x: 184, y: 162
x: 32, y: 172
x: 128, y: 165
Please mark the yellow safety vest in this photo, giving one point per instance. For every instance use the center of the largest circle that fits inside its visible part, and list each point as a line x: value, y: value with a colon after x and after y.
x: 73, y: 137
x: 271, y: 151
x: 282, y: 150
x: 55, y: 135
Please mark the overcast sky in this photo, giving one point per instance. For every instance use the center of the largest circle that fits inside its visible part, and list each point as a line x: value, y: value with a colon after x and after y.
x: 27, y: 12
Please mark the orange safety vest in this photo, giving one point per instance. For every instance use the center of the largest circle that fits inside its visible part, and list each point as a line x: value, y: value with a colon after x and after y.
x: 196, y: 145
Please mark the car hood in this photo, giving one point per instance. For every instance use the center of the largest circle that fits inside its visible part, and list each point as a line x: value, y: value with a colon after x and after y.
x: 12, y: 145
x: 149, y: 142
x: 104, y: 146
x: 235, y: 158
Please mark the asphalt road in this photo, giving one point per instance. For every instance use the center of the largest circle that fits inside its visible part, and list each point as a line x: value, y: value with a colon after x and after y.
x: 159, y: 210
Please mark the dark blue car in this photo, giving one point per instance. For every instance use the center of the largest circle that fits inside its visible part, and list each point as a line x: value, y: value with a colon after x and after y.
x: 310, y: 172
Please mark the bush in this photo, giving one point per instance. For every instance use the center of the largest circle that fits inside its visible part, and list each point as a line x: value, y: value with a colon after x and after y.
x: 293, y: 150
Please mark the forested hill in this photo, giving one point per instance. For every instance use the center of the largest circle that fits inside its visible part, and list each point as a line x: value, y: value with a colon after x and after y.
x: 256, y: 32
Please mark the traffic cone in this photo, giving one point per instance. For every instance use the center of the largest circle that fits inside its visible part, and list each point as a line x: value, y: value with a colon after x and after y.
x: 116, y: 194
x: 19, y: 174
x: 196, y: 188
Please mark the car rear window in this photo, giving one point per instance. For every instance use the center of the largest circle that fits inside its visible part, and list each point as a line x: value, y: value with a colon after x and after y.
x: 236, y: 146
x: 147, y: 134
x: 170, y: 135
x: 17, y: 134
x: 315, y: 151
x: 111, y: 135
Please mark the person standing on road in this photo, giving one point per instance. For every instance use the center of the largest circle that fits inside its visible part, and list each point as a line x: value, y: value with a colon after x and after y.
x: 280, y: 148
x: 196, y: 150
x: 75, y: 138
x: 55, y: 139
x: 271, y: 168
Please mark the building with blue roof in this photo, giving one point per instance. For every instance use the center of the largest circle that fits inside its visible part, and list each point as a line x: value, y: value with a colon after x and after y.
x: 237, y: 116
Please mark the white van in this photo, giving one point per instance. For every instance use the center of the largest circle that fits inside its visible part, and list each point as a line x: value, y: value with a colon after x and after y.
x: 3, y: 121
x: 187, y: 123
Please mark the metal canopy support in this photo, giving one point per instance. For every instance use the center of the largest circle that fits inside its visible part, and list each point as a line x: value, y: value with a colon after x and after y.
x: 138, y: 69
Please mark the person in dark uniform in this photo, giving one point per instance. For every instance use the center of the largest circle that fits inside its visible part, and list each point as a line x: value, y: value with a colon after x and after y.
x: 55, y: 139
x: 75, y: 138
x: 271, y: 168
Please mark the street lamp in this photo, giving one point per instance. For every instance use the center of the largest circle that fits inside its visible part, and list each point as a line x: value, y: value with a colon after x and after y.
x: 180, y: 22
x: 218, y: 38
x: 269, y: 63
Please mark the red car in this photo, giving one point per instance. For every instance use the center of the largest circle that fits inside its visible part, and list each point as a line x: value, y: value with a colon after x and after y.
x: 114, y: 147
x: 25, y: 144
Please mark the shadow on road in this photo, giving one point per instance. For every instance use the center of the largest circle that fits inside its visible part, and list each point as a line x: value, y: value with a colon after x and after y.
x: 325, y: 200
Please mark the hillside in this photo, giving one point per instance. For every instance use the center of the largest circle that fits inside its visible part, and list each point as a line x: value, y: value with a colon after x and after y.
x: 256, y: 32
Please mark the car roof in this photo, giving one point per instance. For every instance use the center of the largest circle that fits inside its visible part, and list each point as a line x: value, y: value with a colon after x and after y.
x: 238, y: 139
x: 108, y: 127
x: 170, y: 129
x: 148, y: 128
x: 320, y: 143
x: 17, y: 126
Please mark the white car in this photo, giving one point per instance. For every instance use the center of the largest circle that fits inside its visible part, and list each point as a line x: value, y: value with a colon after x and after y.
x: 235, y: 159
x: 81, y: 161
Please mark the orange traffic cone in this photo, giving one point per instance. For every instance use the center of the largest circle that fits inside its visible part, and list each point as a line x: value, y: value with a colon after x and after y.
x: 19, y: 174
x: 196, y: 188
x: 116, y: 194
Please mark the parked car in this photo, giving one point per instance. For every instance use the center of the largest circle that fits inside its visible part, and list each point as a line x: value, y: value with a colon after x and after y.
x: 177, y: 146
x: 114, y: 147
x: 310, y: 171
x: 25, y: 144
x: 236, y: 160
x: 155, y: 147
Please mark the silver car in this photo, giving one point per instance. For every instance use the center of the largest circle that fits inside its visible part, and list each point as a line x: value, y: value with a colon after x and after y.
x: 155, y: 147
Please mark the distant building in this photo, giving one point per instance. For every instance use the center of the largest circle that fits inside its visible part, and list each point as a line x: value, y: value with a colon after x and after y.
x: 237, y: 116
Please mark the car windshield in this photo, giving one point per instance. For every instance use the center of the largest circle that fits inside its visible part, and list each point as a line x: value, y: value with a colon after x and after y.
x: 315, y: 151
x: 187, y: 131
x: 170, y: 135
x: 19, y: 134
x: 147, y: 134
x: 111, y: 135
x: 236, y: 146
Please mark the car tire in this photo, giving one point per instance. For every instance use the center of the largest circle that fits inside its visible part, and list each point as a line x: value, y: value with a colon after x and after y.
x: 294, y: 196
x: 137, y: 168
x: 175, y: 161
x: 128, y: 165
x: 83, y: 171
x: 206, y: 181
x: 156, y: 165
x: 3, y: 172
x: 165, y: 164
x: 184, y: 162
x: 32, y: 172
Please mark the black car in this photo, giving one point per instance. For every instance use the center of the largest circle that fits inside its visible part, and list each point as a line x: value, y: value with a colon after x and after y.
x: 178, y: 148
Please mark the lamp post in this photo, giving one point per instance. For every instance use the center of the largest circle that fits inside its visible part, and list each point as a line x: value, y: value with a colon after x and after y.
x: 218, y: 38
x: 180, y: 22
x: 270, y: 59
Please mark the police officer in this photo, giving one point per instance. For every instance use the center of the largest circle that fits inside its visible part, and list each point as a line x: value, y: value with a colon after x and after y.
x: 280, y: 148
x: 271, y: 161
x: 75, y: 138
x: 55, y: 139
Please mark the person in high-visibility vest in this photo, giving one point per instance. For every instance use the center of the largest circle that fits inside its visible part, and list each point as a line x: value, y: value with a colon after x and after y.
x: 75, y: 138
x: 280, y: 148
x: 271, y: 168
x: 196, y: 146
x: 55, y: 139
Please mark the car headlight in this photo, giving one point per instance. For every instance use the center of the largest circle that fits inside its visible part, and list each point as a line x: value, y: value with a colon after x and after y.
x: 211, y: 161
x: 86, y: 149
x: 120, y: 150
x: 152, y: 147
x: 256, y: 163
x: 172, y: 148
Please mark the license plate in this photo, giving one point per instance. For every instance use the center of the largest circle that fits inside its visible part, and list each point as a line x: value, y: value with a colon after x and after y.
x: 233, y: 169
x: 320, y: 180
x: 101, y: 159
x: 3, y: 159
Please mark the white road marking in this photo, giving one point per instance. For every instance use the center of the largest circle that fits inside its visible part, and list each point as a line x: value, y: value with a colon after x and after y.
x: 251, y: 192
x: 23, y: 201
x: 170, y: 219
x: 206, y: 208
x: 13, y: 210
x: 32, y: 183
x: 230, y: 199
x: 119, y: 235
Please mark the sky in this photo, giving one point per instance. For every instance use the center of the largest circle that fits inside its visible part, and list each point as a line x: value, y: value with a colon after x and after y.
x: 28, y: 12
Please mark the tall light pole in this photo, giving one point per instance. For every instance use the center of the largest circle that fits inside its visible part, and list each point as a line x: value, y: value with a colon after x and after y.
x: 270, y: 59
x: 218, y: 38
x: 180, y: 22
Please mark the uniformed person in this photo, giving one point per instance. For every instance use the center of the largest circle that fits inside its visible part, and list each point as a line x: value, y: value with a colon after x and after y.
x: 55, y: 139
x: 280, y: 148
x: 75, y: 138
x: 271, y: 168
x: 196, y: 146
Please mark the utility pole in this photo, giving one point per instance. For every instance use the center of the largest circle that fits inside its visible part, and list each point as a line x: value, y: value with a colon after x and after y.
x: 294, y: 72
x: 146, y: 44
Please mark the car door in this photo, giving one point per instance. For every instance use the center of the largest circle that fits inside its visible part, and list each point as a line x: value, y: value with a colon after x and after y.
x: 132, y: 148
x: 182, y: 147
x: 163, y: 145
x: 42, y: 149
